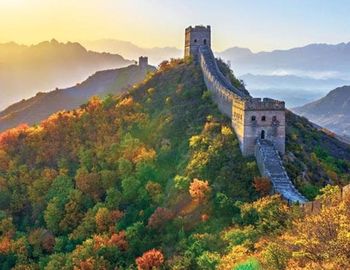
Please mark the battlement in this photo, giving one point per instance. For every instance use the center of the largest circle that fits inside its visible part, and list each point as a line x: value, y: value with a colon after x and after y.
x: 198, y: 28
x: 266, y: 104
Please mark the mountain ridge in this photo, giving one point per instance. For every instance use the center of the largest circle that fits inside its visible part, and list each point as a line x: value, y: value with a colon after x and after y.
x: 40, y: 106
x: 331, y: 111
x: 26, y: 70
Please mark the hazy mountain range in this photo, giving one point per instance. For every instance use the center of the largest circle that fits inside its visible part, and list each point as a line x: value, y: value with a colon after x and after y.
x: 331, y: 111
x: 132, y: 51
x: 296, y: 91
x: 296, y: 75
x: 26, y: 70
x: 39, y: 107
x: 314, y: 60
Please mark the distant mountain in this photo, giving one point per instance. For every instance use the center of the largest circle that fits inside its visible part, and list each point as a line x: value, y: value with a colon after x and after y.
x: 286, y: 81
x: 331, y: 111
x: 132, y: 51
x: 324, y: 59
x: 295, y: 90
x: 26, y: 70
x: 42, y: 105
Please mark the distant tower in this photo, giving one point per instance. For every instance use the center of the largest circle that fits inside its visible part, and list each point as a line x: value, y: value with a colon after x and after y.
x: 194, y: 38
x: 143, y: 62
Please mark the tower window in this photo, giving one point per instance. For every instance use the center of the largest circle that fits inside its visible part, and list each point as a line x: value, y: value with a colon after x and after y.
x: 195, y: 41
x: 262, y: 135
x: 274, y: 118
x: 263, y: 118
x: 253, y: 118
x: 205, y: 42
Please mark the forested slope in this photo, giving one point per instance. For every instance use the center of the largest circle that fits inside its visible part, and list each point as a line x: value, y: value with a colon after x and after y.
x: 152, y: 178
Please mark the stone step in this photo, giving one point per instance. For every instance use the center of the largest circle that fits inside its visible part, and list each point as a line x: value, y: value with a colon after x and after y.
x: 278, y: 175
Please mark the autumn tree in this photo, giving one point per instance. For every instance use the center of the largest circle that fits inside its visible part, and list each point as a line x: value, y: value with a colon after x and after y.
x: 160, y: 217
x: 106, y: 219
x: 199, y: 190
x: 262, y: 185
x: 321, y: 241
x: 90, y: 183
x: 152, y: 259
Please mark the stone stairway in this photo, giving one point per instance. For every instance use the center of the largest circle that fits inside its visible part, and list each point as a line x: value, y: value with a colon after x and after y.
x: 270, y: 166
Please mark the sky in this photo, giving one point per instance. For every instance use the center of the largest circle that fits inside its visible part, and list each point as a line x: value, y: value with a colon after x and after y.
x: 255, y: 24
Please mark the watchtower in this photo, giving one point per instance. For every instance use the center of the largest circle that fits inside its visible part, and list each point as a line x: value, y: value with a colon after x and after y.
x: 195, y: 37
x: 259, y: 119
x: 143, y: 62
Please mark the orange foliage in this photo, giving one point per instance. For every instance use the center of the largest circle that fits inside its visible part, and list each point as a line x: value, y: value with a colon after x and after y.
x: 205, y: 217
x: 10, y: 136
x: 119, y: 240
x: 199, y: 190
x: 144, y: 154
x: 5, y: 245
x: 116, y: 240
x: 106, y: 219
x: 262, y: 185
x: 126, y: 102
x: 93, y: 104
x: 151, y: 259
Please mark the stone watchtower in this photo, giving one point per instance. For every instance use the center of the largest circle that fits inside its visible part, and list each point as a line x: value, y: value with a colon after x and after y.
x: 259, y: 119
x: 194, y: 38
x: 143, y: 62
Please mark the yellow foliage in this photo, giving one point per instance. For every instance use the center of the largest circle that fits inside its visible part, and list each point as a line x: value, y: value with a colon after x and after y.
x: 226, y: 131
x: 237, y: 255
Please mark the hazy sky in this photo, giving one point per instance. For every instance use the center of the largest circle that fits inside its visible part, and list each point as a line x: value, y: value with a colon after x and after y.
x: 257, y: 24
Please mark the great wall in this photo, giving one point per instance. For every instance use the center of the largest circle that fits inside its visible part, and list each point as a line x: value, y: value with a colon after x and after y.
x: 258, y: 123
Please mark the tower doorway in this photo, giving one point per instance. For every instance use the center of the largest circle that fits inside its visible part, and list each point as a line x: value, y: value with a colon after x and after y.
x: 262, y: 135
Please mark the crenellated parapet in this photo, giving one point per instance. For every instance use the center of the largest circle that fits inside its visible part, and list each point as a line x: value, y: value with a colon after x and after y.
x: 266, y: 104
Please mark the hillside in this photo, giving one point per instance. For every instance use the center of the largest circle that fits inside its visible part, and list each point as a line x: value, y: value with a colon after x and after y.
x: 41, y: 106
x: 26, y: 70
x: 151, y: 178
x: 331, y: 111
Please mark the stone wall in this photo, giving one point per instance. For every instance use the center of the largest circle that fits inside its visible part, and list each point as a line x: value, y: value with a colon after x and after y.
x: 252, y: 117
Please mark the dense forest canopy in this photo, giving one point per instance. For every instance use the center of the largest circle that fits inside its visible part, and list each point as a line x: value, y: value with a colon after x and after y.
x: 154, y: 179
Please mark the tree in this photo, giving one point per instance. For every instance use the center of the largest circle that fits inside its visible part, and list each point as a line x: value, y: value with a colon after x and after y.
x: 106, y: 219
x: 89, y: 183
x: 54, y: 214
x: 150, y: 260
x: 74, y: 211
x: 155, y: 191
x: 262, y: 185
x: 160, y: 217
x: 199, y: 190
x: 321, y: 240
